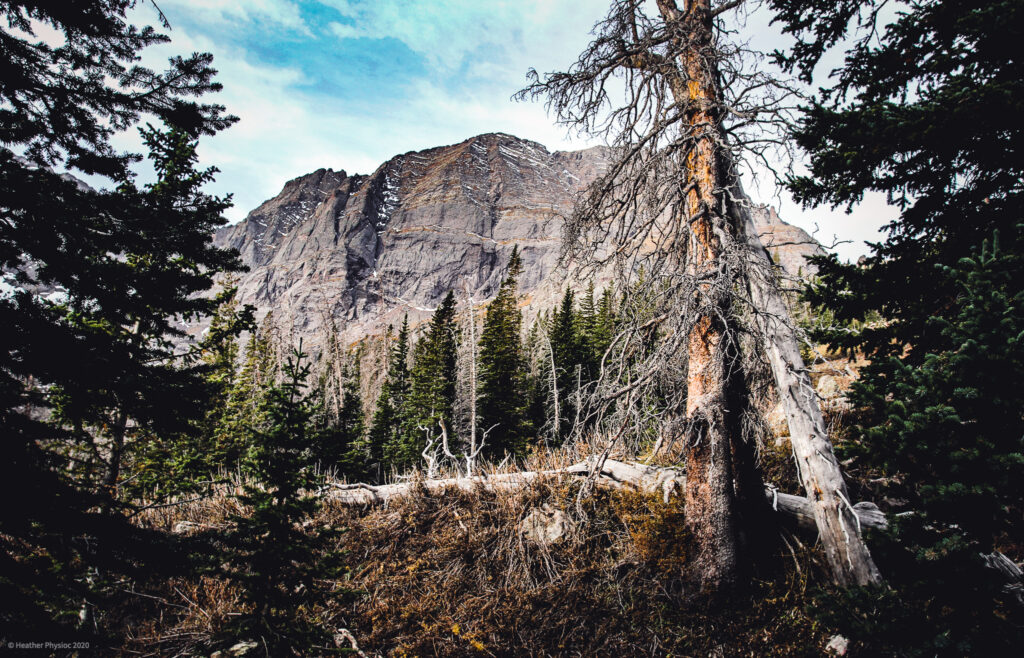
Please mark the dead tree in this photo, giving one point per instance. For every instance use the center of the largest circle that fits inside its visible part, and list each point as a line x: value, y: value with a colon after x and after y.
x: 671, y: 206
x: 468, y: 363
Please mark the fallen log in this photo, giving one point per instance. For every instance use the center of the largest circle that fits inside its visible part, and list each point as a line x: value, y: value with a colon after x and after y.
x: 612, y: 473
x: 801, y: 510
x: 641, y: 477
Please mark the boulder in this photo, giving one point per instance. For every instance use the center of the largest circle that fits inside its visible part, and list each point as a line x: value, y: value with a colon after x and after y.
x: 837, y: 645
x: 545, y: 526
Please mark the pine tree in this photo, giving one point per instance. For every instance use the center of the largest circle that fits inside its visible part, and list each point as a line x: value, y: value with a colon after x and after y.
x: 242, y: 412
x: 538, y: 412
x: 945, y: 437
x: 340, y: 423
x: 433, y: 380
x: 502, y: 398
x: 952, y: 427
x: 588, y: 312
x: 125, y: 265
x: 277, y: 562
x: 601, y: 331
x: 925, y: 111
x: 351, y: 428
x: 390, y: 415
x: 184, y: 461
x: 124, y: 314
x: 570, y: 360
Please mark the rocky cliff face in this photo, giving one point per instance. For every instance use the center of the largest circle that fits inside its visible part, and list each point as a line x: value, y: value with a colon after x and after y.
x: 364, y: 250
x: 361, y: 251
x: 789, y: 245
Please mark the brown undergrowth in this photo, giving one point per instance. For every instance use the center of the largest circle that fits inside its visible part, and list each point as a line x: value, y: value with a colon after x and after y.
x: 451, y: 574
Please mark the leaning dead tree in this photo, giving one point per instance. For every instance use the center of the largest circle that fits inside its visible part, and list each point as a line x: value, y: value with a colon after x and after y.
x: 682, y: 109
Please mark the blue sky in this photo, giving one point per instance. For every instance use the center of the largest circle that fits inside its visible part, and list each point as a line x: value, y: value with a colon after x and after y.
x: 347, y: 84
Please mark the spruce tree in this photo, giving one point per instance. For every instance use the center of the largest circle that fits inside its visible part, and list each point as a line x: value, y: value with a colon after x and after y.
x: 171, y: 464
x: 276, y: 560
x: 537, y: 380
x: 601, y: 331
x: 924, y: 110
x: 242, y: 410
x: 100, y: 280
x: 390, y: 414
x: 340, y: 420
x: 433, y: 380
x: 585, y: 319
x: 351, y: 428
x: 946, y: 439
x: 502, y: 386
x: 568, y: 349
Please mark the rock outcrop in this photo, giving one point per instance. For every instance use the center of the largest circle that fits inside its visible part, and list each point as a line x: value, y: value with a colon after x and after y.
x: 788, y: 245
x: 362, y: 251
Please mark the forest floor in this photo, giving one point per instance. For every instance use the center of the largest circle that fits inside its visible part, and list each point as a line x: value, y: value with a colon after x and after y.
x: 453, y: 573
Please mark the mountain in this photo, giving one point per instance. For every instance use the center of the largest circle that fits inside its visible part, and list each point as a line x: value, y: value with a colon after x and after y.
x: 789, y: 245
x: 362, y: 251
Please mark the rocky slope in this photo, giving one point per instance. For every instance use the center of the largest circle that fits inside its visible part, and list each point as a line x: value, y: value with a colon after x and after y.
x: 361, y: 251
x: 789, y: 245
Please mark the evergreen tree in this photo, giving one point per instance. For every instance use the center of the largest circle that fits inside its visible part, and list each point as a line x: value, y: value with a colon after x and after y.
x: 601, y: 331
x: 587, y: 314
x: 537, y: 412
x: 952, y: 428
x: 277, y: 561
x: 570, y: 359
x: 125, y: 266
x: 389, y: 417
x: 340, y: 421
x: 948, y: 437
x: 219, y: 347
x: 502, y: 399
x: 433, y: 381
x: 925, y: 111
x: 124, y: 315
x: 184, y: 461
x: 242, y: 411
x: 351, y: 428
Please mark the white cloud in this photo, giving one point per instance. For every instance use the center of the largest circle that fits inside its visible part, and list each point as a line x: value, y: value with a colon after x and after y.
x: 281, y: 13
x: 510, y: 35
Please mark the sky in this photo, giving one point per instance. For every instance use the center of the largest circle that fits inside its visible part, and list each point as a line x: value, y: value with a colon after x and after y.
x: 347, y: 84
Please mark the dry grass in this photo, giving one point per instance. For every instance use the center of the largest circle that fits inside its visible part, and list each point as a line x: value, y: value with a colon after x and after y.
x: 450, y: 574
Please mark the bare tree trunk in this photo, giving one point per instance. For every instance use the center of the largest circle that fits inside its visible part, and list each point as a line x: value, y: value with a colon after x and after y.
x: 818, y: 468
x: 117, y: 435
x: 556, y: 422
x: 710, y: 499
x: 676, y: 163
x: 472, y: 376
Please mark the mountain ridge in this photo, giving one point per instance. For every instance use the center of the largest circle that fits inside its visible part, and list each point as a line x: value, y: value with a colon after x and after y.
x: 360, y: 251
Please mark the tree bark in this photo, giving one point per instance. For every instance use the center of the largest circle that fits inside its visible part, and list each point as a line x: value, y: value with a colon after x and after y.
x: 117, y: 434
x: 710, y: 497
